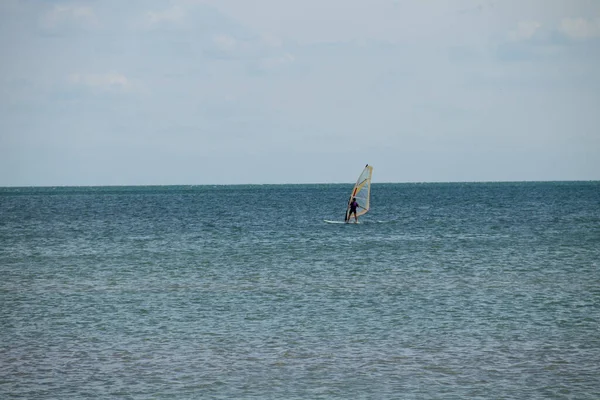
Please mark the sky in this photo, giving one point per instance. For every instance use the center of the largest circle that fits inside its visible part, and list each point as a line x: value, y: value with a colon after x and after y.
x: 159, y: 92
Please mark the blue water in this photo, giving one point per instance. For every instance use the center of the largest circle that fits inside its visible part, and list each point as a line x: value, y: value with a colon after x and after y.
x: 442, y: 291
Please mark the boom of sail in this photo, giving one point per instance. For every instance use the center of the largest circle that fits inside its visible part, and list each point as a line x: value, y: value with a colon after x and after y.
x: 361, y: 192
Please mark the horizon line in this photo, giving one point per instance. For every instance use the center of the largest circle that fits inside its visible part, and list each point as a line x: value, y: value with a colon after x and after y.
x: 290, y: 184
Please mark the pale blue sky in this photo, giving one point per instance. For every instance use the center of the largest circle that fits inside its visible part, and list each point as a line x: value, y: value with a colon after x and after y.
x: 119, y: 92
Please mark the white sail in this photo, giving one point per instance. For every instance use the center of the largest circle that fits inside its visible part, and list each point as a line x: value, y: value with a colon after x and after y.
x: 361, y: 192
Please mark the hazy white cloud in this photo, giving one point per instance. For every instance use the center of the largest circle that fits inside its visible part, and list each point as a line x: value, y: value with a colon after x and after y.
x: 247, y: 47
x: 171, y: 15
x: 525, y: 30
x: 580, y: 28
x: 272, y: 41
x: 224, y: 42
x: 271, y: 63
x: 186, y: 3
x: 107, y: 80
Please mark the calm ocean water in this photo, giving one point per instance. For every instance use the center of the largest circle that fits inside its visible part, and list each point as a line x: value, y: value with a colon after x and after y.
x: 443, y: 291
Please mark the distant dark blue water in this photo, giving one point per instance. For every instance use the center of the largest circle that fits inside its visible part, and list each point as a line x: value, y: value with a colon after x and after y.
x: 443, y: 291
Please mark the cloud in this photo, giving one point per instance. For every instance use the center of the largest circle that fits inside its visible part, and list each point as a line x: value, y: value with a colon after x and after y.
x: 171, y: 15
x: 525, y: 30
x: 271, y: 63
x: 111, y: 80
x: 224, y: 42
x: 70, y: 14
x: 253, y: 48
x: 580, y: 28
x: 272, y: 41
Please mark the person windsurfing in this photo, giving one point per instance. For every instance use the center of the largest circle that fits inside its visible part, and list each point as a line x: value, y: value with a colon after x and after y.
x: 353, y: 205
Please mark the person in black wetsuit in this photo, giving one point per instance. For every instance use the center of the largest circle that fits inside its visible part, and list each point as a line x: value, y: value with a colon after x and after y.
x: 353, y: 206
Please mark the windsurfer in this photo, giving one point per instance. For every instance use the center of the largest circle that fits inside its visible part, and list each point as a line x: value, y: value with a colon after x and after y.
x: 353, y: 206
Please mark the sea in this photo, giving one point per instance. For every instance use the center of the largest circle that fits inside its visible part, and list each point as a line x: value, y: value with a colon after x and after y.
x: 441, y: 291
